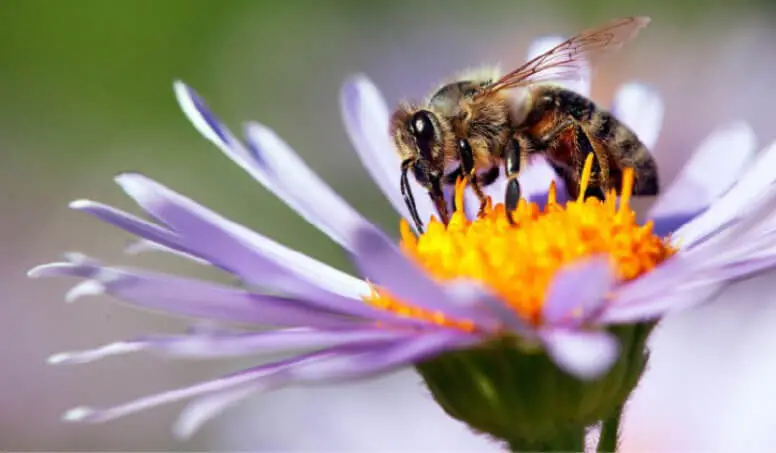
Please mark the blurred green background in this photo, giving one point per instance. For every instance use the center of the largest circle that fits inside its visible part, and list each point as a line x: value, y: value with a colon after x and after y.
x: 85, y: 93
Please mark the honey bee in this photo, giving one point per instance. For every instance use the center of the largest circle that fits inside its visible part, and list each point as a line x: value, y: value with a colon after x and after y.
x: 475, y: 126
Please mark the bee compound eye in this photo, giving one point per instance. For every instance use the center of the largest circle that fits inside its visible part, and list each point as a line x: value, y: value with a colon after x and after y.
x: 422, y: 126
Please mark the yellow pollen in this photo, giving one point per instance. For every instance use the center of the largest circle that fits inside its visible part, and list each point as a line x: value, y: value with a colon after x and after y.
x: 518, y: 262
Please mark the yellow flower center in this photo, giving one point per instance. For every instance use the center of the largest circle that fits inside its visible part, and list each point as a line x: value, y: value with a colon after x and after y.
x: 518, y: 261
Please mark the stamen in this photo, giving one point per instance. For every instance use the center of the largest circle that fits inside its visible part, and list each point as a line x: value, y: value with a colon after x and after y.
x: 552, y: 196
x: 584, y: 180
x: 518, y: 262
x: 627, y: 189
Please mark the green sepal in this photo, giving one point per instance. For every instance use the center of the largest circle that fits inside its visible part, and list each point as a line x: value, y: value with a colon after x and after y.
x: 519, y: 396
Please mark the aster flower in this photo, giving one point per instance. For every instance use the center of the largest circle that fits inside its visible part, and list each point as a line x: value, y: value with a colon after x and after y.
x: 528, y: 333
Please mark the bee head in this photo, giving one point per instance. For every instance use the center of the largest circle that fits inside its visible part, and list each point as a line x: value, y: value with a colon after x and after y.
x: 418, y: 137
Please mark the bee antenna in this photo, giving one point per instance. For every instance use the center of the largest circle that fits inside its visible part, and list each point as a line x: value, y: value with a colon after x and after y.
x: 409, y: 200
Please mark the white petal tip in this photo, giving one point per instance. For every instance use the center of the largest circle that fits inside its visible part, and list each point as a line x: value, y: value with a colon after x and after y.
x: 38, y: 271
x: 78, y: 414
x: 56, y: 359
x: 259, y: 132
x: 87, y: 288
x: 183, y: 94
x: 358, y: 81
x: 586, y: 355
x: 136, y: 186
x: 80, y: 204
x: 138, y: 247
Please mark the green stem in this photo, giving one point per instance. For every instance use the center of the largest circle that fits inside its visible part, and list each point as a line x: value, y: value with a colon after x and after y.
x: 569, y: 441
x: 609, y: 439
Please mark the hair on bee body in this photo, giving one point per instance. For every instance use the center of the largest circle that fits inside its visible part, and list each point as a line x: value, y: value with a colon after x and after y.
x: 476, y: 125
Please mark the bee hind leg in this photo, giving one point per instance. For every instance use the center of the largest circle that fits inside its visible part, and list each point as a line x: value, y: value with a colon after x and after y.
x: 585, y: 145
x: 599, y: 181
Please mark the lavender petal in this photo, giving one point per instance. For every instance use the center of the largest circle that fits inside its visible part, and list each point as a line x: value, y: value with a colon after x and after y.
x: 381, y: 261
x: 622, y: 312
x: 258, y: 378
x: 205, y: 408
x: 367, y: 363
x: 732, y: 206
x: 132, y: 224
x: 235, y: 344
x: 251, y: 256
x: 190, y: 297
x: 356, y: 364
x: 471, y: 293
x: 709, y: 173
x: 366, y: 117
x: 322, y: 206
x: 579, y: 84
x: 203, y: 119
x: 584, y: 354
x: 578, y: 292
x: 641, y: 108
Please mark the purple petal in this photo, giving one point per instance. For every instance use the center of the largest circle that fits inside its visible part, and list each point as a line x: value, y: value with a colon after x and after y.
x: 203, y: 119
x: 366, y: 117
x: 581, y: 84
x: 336, y: 367
x: 669, y: 223
x: 322, y: 206
x: 622, y: 312
x: 381, y: 261
x: 578, y: 292
x: 641, y: 108
x: 670, y: 274
x: 144, y: 245
x: 253, y: 257
x: 709, y: 173
x: 367, y: 363
x: 584, y: 354
x: 235, y: 344
x: 189, y: 297
x: 471, y: 293
x: 734, y: 204
x: 252, y: 162
x: 131, y: 224
x: 257, y: 378
x: 205, y: 408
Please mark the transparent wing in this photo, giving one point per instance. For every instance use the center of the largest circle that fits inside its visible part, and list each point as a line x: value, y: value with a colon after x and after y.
x: 567, y: 58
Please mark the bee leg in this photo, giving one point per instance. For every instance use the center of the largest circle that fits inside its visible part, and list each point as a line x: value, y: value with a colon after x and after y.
x: 513, y: 155
x: 599, y: 181
x: 466, y: 157
x: 599, y: 171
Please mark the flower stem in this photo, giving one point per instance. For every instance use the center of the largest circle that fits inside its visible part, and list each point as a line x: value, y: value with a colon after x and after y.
x: 609, y: 440
x: 568, y: 441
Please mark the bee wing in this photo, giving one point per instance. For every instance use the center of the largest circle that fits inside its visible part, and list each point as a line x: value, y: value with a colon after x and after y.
x: 566, y: 59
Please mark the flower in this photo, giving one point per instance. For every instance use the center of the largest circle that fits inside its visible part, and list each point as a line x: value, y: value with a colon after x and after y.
x: 455, y: 301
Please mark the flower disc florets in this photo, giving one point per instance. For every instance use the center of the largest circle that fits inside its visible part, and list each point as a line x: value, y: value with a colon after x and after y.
x: 518, y: 261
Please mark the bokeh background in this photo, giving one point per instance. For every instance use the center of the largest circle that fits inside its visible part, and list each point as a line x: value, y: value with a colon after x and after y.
x: 85, y: 93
